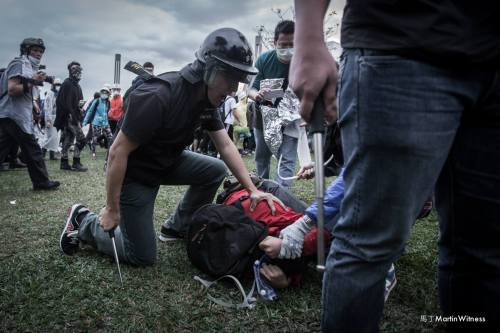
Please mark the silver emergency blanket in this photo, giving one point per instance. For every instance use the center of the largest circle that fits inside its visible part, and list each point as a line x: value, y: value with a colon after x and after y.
x: 275, y: 119
x: 289, y: 108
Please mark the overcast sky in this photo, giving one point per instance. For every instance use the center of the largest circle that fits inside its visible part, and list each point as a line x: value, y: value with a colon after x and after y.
x: 165, y: 32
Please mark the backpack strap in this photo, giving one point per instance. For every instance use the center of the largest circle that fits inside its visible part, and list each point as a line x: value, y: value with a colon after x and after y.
x: 264, y: 290
x: 224, y: 108
x: 238, y: 204
x: 248, y: 302
x: 93, y: 110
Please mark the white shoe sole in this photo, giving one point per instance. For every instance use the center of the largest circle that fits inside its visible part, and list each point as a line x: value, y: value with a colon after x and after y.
x: 166, y: 239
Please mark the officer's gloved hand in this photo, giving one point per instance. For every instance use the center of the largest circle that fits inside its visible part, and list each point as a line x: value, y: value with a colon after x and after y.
x: 293, y: 238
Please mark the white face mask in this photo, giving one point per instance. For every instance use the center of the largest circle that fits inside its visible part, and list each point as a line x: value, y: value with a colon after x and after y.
x: 116, y: 93
x: 284, y: 54
x: 104, y: 96
x: 56, y: 88
x: 34, y: 61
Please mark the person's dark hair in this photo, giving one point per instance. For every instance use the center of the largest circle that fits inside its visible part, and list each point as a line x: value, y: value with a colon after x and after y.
x: 72, y: 64
x: 284, y: 27
x: 97, y: 94
x: 147, y: 64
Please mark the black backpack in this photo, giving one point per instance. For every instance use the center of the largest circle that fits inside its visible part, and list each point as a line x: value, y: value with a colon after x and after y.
x: 222, y: 240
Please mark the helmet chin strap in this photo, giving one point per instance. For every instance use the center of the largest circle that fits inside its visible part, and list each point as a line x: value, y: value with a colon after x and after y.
x: 207, y: 100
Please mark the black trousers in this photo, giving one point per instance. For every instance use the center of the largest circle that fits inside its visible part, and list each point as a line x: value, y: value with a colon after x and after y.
x: 112, y: 125
x: 9, y: 132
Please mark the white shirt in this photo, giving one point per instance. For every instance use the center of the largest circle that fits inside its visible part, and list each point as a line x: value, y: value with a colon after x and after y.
x: 229, y: 105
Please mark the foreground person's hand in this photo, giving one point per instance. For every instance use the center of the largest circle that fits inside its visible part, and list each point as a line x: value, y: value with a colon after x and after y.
x: 271, y: 246
x: 313, y: 71
x: 109, y: 218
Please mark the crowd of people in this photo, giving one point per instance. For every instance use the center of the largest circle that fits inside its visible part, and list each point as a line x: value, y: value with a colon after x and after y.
x: 418, y: 119
x: 55, y: 122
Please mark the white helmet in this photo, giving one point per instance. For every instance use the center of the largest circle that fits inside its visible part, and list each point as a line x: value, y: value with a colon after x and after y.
x: 57, y: 81
x: 105, y: 88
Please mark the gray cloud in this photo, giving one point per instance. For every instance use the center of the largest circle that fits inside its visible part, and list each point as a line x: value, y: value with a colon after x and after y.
x: 166, y: 32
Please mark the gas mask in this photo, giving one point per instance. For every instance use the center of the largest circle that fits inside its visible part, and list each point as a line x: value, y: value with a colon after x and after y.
x: 285, y: 55
x: 104, y: 96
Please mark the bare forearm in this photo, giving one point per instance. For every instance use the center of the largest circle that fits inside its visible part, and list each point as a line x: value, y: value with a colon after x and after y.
x: 309, y: 22
x: 15, y: 89
x: 117, y: 166
x: 233, y: 160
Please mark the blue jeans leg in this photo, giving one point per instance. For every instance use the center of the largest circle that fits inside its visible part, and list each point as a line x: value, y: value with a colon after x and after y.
x: 468, y: 205
x: 398, y: 120
x: 288, y: 152
x: 262, y: 154
x: 135, y: 237
x: 203, y: 174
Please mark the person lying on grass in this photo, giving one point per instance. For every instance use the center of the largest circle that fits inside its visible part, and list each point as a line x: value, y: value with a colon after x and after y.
x: 295, y: 241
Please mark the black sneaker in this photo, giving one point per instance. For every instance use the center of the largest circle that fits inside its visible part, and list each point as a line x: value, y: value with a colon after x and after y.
x: 69, y: 237
x: 168, y: 234
x: 48, y: 185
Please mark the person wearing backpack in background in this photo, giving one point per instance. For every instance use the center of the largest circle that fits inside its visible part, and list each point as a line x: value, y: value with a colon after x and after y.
x: 149, y: 151
x: 228, y: 109
x: 86, y: 107
x: 97, y: 117
x: 16, y: 111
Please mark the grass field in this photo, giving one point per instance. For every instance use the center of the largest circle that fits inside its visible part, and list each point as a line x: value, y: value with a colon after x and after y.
x: 44, y: 291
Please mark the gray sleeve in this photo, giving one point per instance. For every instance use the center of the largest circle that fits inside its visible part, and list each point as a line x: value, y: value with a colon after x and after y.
x: 14, y: 70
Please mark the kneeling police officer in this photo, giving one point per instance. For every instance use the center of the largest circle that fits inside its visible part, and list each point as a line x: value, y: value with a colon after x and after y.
x: 149, y: 150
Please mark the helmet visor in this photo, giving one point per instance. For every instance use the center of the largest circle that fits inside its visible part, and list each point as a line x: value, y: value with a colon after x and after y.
x: 232, y: 75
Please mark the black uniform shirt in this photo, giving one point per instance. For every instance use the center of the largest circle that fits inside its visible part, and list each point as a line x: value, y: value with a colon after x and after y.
x: 445, y: 32
x: 161, y: 116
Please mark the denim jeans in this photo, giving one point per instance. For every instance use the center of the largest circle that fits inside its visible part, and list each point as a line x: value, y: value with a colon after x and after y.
x: 288, y: 151
x: 135, y: 237
x: 407, y: 126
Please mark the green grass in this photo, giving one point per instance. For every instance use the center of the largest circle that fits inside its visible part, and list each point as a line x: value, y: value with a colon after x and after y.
x: 44, y: 291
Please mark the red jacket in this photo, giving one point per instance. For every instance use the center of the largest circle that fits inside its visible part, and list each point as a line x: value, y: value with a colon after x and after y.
x: 275, y: 223
x: 116, y: 108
